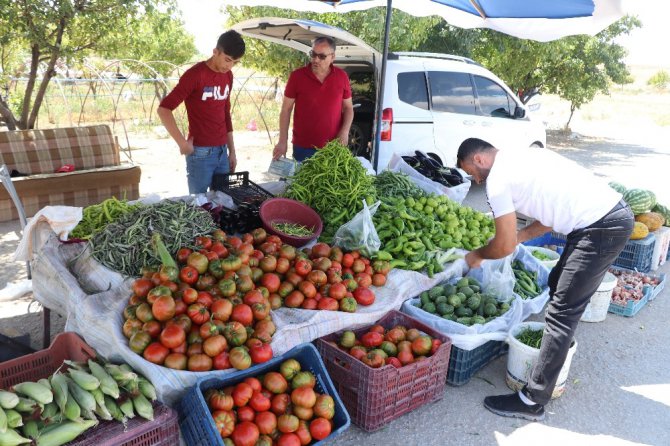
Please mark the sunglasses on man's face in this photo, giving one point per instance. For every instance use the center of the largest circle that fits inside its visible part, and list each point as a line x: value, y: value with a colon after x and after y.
x: 321, y: 56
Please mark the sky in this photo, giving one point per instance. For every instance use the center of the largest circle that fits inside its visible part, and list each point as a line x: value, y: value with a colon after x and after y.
x: 204, y: 20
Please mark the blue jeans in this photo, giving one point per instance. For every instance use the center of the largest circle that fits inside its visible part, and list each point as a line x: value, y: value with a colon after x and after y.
x: 588, y: 254
x: 202, y: 164
x: 300, y: 154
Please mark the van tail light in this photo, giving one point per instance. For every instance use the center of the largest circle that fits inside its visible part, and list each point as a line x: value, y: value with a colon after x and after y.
x: 387, y: 124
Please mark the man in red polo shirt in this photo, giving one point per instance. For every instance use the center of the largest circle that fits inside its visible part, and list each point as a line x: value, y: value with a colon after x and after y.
x: 323, y: 107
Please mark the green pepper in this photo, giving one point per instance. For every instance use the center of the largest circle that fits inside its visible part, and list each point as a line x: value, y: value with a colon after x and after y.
x: 383, y: 255
x: 403, y: 214
x: 398, y: 263
x: 399, y: 223
x: 415, y: 266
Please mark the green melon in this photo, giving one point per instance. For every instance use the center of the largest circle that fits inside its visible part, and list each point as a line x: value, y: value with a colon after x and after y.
x: 618, y: 187
x: 639, y: 200
x: 664, y: 211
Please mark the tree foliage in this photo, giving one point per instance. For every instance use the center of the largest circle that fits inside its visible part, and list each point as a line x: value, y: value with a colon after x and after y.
x: 40, y: 34
x: 407, y: 33
x: 576, y: 68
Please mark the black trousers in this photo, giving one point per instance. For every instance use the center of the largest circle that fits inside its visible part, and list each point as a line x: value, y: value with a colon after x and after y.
x: 587, y: 255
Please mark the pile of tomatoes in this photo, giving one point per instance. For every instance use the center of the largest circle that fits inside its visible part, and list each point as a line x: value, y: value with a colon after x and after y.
x: 212, y: 311
x: 397, y: 346
x: 280, y: 407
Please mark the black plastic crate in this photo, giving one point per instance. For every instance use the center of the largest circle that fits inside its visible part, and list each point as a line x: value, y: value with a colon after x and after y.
x: 240, y: 188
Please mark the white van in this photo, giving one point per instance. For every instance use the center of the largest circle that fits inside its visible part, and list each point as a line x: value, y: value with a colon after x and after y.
x: 432, y: 102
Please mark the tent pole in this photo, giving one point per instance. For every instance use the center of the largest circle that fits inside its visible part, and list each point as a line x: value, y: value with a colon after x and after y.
x: 380, y: 95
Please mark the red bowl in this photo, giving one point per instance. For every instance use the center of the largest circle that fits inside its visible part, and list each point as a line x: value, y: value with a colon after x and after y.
x: 285, y: 210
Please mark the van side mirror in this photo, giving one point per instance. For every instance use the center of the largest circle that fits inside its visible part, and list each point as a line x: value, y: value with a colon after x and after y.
x: 519, y: 112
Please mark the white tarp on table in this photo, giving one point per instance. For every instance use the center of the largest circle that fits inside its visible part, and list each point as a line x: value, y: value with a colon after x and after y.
x: 61, y: 275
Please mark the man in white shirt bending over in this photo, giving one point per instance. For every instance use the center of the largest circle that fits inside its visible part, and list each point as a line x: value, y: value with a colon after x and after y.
x: 563, y: 196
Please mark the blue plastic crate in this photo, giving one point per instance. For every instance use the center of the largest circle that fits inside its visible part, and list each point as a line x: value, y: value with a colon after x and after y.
x: 197, y: 425
x: 632, y: 307
x: 463, y: 364
x: 548, y: 239
x: 637, y: 254
x: 658, y: 288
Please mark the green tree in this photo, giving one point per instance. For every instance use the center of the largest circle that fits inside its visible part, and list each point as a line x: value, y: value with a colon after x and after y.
x: 660, y: 80
x: 49, y: 32
x: 407, y: 33
x: 576, y: 68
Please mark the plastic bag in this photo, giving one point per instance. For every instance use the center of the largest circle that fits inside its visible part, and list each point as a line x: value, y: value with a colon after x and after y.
x: 497, y: 277
x: 360, y: 232
x: 456, y: 193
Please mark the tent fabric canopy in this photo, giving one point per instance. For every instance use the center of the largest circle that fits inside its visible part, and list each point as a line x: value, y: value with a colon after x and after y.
x: 541, y: 20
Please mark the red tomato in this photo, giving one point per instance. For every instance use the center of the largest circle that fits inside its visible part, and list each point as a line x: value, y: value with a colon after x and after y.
x: 259, y: 402
x: 188, y: 275
x: 245, y: 413
x: 220, y: 250
x: 189, y: 295
x: 224, y: 421
x: 172, y: 336
x: 156, y: 353
x: 218, y: 400
x: 203, y: 242
x: 254, y: 383
x: 287, y: 423
x: 275, y: 382
x: 199, y: 363
x: 221, y: 309
x: 163, y: 308
x: 328, y: 303
x: 289, y: 439
x: 303, y: 396
x: 266, y: 422
x: 205, y: 299
x: 141, y: 287
x: 260, y: 353
x: 198, y: 313
x: 153, y: 328
x: 245, y: 434
x: 279, y: 403
x: 303, y: 267
x: 364, y: 296
x: 176, y: 361
x: 243, y: 314
x: 303, y: 433
x: 221, y: 361
x: 182, y: 255
x: 325, y: 406
x: 242, y: 393
x: 214, y: 345
x: 319, y: 428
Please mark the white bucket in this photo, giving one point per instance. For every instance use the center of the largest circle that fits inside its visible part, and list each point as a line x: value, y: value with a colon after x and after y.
x: 548, y: 252
x: 522, y: 358
x: 596, y: 310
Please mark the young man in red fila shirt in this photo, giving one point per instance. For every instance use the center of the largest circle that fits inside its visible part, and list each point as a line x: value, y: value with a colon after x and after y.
x: 205, y: 90
x: 324, y: 110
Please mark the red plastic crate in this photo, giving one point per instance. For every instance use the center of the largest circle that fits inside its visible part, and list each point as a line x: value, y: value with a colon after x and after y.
x: 374, y: 397
x: 162, y: 431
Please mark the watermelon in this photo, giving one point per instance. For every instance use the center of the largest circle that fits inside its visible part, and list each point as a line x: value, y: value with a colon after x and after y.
x: 664, y: 211
x: 618, y: 187
x: 639, y: 200
x: 653, y: 199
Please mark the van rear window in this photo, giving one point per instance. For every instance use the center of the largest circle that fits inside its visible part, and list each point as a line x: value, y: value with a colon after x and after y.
x: 412, y: 89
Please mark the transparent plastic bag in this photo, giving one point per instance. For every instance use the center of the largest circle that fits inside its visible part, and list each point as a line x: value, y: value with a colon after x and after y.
x: 360, y: 232
x: 497, y: 277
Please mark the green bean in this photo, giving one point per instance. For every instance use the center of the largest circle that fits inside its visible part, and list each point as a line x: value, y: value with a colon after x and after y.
x: 125, y: 245
x: 294, y: 229
x: 332, y: 178
x: 530, y: 337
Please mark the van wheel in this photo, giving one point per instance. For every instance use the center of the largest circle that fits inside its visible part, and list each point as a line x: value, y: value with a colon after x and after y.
x: 536, y: 145
x: 358, y: 141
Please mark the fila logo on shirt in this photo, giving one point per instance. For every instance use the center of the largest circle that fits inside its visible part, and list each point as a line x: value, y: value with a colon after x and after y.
x: 215, y: 93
